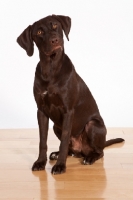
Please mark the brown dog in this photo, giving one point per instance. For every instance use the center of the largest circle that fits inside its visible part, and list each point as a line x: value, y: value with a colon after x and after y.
x: 62, y: 96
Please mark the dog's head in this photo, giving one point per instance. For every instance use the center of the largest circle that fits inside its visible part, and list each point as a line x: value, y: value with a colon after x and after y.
x: 47, y: 33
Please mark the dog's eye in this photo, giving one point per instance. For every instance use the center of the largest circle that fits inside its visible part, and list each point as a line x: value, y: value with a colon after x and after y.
x: 54, y: 26
x: 39, y: 32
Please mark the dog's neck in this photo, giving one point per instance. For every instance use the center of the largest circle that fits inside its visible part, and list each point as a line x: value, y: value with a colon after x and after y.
x: 50, y: 67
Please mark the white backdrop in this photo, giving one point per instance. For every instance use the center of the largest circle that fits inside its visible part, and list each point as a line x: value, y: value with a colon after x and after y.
x: 100, y: 47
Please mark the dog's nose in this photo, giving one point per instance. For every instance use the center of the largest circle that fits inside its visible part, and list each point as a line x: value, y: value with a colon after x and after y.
x: 54, y: 41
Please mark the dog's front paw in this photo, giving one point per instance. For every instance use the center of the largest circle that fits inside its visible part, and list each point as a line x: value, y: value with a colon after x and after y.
x: 38, y: 165
x: 58, y: 169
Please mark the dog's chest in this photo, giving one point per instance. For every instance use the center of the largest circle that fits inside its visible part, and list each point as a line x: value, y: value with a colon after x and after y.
x: 50, y: 99
x: 53, y: 104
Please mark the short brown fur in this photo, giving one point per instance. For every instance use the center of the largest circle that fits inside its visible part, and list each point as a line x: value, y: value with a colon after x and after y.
x: 62, y: 96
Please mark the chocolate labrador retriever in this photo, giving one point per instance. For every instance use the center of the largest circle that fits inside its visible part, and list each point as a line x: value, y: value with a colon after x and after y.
x: 62, y: 96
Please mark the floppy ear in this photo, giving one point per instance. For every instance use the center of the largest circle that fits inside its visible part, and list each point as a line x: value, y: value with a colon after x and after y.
x: 65, y: 22
x: 26, y: 42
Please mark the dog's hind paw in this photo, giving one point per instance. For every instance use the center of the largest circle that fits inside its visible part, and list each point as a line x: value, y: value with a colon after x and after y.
x: 38, y: 165
x: 89, y: 160
x: 54, y: 155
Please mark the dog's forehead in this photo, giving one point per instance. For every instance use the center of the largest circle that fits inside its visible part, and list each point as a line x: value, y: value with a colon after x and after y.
x: 45, y: 22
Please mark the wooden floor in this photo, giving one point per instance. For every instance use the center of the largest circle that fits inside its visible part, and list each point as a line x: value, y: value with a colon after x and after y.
x: 109, y: 178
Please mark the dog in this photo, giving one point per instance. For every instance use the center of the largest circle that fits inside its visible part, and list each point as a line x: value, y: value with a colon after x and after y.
x: 62, y: 96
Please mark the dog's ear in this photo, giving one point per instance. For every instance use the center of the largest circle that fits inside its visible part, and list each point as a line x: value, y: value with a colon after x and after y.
x: 26, y: 42
x: 65, y: 22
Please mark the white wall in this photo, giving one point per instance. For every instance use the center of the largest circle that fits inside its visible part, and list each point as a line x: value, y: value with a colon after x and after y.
x: 100, y: 46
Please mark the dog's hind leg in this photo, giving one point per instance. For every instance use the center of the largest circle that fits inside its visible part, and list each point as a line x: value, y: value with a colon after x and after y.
x: 94, y: 141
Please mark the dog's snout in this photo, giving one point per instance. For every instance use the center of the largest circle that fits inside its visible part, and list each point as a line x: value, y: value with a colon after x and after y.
x: 54, y: 41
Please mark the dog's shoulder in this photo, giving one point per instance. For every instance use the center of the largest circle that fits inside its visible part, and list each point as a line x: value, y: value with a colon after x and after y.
x: 67, y: 65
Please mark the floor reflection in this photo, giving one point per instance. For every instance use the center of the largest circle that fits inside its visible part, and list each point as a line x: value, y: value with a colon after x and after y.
x: 48, y: 185
x: 79, y: 181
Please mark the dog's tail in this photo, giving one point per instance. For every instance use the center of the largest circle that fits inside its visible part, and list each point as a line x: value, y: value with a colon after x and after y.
x: 113, y: 141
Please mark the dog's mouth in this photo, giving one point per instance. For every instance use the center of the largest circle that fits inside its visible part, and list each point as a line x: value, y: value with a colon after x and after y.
x: 53, y: 54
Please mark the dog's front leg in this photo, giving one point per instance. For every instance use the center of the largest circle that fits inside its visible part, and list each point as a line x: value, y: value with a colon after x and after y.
x: 43, y: 131
x: 60, y: 166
